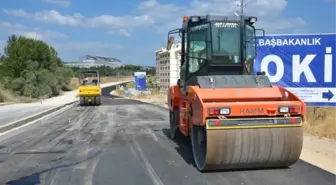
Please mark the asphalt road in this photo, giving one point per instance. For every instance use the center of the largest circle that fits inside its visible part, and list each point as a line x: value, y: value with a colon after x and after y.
x: 121, y: 142
x: 14, y: 112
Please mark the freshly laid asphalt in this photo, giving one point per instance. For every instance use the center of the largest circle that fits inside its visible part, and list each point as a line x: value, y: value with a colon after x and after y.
x: 122, y: 142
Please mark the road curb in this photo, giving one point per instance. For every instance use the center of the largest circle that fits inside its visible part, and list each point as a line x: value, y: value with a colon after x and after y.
x: 7, y: 103
x: 25, y: 120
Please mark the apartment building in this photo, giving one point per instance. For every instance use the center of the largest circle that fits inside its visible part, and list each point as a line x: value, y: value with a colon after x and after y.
x: 168, y: 66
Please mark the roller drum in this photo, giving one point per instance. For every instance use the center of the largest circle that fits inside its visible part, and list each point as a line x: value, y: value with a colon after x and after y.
x: 228, y: 149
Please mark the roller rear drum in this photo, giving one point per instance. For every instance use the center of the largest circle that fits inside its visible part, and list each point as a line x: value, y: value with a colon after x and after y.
x: 228, y: 149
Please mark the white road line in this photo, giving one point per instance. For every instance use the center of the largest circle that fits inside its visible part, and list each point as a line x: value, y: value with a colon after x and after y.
x: 154, y: 177
x: 152, y: 134
x: 89, y: 176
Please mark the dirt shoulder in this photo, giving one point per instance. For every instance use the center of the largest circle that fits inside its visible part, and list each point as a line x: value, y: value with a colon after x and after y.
x: 105, y: 79
x: 319, y: 144
x: 320, y: 152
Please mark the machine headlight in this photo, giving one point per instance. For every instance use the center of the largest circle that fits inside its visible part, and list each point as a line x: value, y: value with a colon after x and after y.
x: 289, y: 109
x: 219, y: 111
x: 225, y: 111
x: 283, y: 109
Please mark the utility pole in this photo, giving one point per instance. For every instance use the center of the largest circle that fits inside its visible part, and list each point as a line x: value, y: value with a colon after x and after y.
x: 242, y: 7
x: 241, y: 10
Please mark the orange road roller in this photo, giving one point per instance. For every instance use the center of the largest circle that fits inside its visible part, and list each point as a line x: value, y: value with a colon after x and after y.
x: 234, y: 118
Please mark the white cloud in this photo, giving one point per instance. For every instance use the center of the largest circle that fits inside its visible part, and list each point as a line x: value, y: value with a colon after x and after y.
x: 159, y: 12
x: 56, y: 17
x: 62, y: 3
x: 86, y: 46
x: 166, y: 16
x: 17, y: 13
x: 122, y: 32
x: 268, y: 11
x: 53, y: 16
x: 8, y: 25
x: 219, y: 7
x: 109, y: 21
x: 42, y: 35
x: 36, y: 33
x: 54, y: 34
x: 280, y: 25
x: 31, y: 34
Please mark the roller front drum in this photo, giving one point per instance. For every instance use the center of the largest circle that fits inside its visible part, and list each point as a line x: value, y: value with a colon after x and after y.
x: 228, y: 149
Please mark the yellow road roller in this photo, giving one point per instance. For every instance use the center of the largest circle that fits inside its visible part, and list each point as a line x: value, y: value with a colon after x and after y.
x: 89, y: 90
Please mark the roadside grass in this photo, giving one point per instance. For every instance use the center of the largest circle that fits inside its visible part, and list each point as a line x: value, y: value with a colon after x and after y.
x: 7, y: 96
x: 321, y: 122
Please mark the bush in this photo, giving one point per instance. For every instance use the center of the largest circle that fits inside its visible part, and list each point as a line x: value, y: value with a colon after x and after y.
x: 64, y: 75
x: 130, y: 85
x: 2, y: 97
x: 31, y: 68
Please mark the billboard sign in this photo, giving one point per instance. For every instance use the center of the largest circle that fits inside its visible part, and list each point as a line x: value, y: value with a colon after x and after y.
x: 304, y: 64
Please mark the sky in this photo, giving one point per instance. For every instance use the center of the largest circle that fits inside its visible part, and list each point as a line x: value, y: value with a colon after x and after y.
x: 131, y: 30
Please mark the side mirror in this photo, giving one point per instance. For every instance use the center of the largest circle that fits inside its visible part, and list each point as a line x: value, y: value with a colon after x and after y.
x: 263, y: 31
x: 170, y: 43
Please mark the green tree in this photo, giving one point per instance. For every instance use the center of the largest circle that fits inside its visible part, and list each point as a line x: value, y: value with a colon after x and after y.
x: 32, y: 68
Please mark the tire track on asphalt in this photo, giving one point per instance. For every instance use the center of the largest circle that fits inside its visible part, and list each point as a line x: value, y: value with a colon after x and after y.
x: 34, y: 158
x: 109, y: 133
x: 143, y: 122
x: 12, y: 157
x: 73, y: 135
x: 102, y: 134
x: 17, y: 139
x: 133, y: 136
x: 123, y: 121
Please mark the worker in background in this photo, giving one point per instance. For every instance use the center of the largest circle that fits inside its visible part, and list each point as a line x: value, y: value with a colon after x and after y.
x: 85, y: 81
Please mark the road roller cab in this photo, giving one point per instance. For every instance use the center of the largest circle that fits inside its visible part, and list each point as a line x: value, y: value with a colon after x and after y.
x: 89, y: 90
x: 236, y: 119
